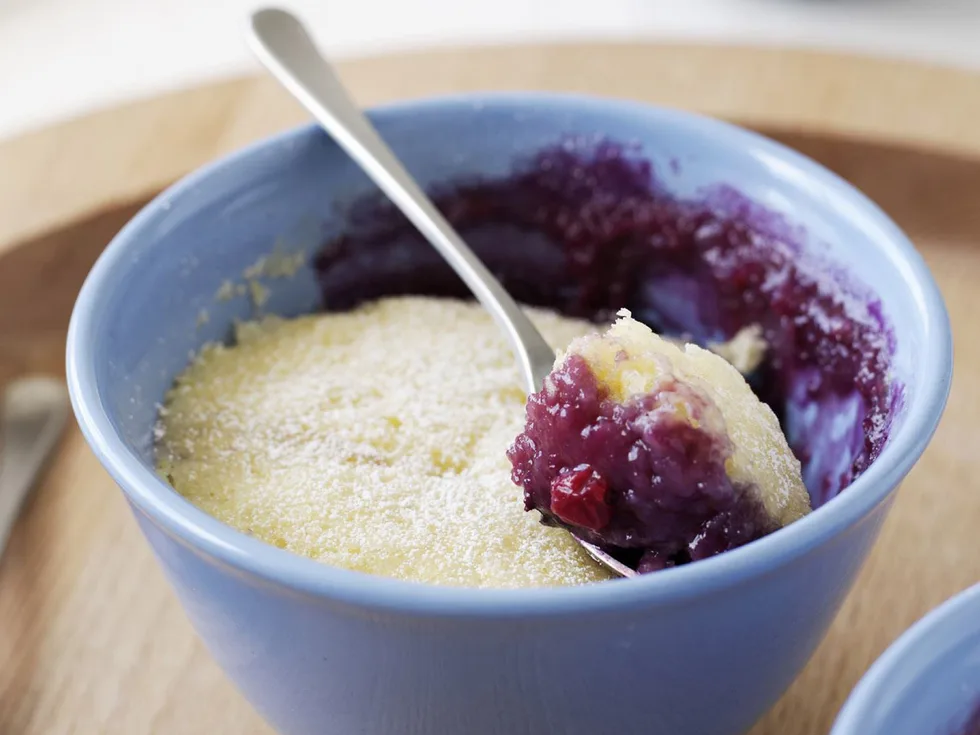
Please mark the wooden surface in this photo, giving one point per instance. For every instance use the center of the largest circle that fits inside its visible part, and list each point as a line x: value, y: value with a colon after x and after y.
x: 91, y: 638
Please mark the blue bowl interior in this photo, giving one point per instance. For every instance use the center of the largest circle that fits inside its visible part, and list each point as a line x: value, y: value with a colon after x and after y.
x: 291, y: 193
x: 928, y: 682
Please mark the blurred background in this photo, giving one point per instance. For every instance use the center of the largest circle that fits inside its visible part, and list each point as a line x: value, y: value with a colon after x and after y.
x: 62, y: 57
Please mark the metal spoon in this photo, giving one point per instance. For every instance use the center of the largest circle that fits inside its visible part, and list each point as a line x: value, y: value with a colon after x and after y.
x: 32, y: 418
x: 286, y: 49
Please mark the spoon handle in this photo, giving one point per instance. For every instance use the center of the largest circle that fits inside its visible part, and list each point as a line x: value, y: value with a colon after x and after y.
x: 283, y: 45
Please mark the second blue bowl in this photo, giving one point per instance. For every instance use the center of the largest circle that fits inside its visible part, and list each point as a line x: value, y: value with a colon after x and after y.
x: 927, y: 682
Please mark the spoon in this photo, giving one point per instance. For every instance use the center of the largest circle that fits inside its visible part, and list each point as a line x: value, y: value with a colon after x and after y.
x: 33, y: 413
x: 286, y: 49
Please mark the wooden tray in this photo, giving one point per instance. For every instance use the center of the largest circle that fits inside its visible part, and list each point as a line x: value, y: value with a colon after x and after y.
x: 91, y: 638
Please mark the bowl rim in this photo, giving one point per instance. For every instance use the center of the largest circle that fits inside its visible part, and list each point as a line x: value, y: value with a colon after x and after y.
x: 154, y: 498
x: 942, y: 619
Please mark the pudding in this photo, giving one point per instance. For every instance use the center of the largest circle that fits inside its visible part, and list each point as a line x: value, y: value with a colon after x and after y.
x: 373, y: 440
x: 373, y: 436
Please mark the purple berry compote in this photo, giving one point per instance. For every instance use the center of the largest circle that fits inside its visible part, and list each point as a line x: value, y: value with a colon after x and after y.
x: 585, y: 228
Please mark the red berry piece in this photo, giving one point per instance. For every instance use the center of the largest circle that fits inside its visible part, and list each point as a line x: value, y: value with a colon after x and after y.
x: 578, y: 497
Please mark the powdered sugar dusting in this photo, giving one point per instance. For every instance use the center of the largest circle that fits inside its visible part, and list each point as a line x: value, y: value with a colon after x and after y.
x: 373, y: 440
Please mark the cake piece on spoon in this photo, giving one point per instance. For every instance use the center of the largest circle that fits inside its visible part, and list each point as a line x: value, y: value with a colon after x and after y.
x: 657, y: 453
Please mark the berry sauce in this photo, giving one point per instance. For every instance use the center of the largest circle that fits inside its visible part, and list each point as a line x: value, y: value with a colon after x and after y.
x: 586, y: 229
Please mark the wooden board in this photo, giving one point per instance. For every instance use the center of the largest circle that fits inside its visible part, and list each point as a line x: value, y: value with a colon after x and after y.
x: 91, y: 637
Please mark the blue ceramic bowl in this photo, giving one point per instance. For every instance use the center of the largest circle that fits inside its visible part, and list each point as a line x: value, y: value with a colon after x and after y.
x: 927, y: 682
x: 702, y: 649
